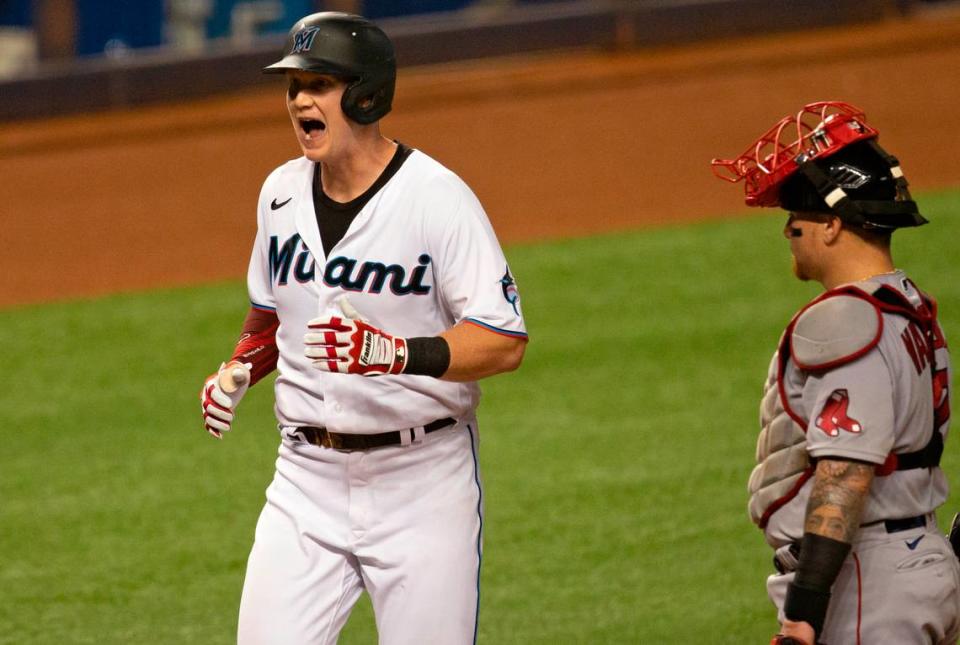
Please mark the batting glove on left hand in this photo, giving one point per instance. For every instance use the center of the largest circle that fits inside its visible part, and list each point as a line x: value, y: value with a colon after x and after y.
x: 221, y: 394
x: 351, y: 345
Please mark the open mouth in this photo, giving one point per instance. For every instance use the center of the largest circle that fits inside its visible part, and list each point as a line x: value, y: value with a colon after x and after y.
x: 312, y: 127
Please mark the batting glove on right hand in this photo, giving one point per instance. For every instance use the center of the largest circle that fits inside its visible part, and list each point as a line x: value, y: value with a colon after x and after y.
x: 351, y: 345
x: 221, y: 394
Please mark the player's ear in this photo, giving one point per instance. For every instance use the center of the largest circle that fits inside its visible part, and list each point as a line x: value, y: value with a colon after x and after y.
x: 831, y: 229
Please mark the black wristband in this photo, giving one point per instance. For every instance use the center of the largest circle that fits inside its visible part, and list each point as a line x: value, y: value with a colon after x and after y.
x: 427, y: 356
x: 819, y: 565
x: 806, y: 605
x: 820, y: 561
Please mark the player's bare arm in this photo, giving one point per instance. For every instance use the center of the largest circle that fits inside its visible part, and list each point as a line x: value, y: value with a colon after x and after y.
x: 839, y: 493
x: 477, y: 353
x: 837, y: 499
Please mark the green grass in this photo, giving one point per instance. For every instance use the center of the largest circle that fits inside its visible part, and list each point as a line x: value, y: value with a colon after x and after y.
x: 615, y: 460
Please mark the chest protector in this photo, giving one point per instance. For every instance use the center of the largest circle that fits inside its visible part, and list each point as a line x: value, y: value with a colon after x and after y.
x: 836, y: 328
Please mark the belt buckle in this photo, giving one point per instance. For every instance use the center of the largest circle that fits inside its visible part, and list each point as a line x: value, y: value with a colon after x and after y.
x: 331, y: 440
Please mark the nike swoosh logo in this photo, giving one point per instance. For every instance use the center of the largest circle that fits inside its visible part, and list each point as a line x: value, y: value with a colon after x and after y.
x: 274, y: 205
x: 913, y: 545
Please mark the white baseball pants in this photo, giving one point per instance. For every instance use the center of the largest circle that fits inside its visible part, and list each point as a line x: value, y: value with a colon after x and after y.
x: 403, y: 523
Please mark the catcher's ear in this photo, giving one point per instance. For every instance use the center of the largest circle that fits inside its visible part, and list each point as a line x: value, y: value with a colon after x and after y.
x: 831, y: 229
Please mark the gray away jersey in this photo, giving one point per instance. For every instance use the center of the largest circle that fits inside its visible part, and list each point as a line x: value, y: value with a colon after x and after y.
x: 880, y: 402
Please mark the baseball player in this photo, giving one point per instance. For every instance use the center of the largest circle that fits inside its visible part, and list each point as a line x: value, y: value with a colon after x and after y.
x: 381, y: 295
x: 857, y: 400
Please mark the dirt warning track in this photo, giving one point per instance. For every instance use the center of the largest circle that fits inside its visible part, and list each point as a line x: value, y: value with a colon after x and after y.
x: 555, y: 146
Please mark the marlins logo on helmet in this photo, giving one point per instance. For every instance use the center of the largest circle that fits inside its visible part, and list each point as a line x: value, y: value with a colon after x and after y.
x: 303, y: 39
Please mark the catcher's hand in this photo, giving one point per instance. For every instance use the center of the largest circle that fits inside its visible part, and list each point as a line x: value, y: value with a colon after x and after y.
x: 221, y: 394
x: 351, y: 345
x: 780, y: 639
x: 795, y: 632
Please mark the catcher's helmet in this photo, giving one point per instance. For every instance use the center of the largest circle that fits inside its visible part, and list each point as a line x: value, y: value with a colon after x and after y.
x: 349, y: 46
x: 834, y: 166
x: 873, y: 193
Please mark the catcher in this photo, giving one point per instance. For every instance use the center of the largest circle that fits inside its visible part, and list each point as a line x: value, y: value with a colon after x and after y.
x: 856, y: 404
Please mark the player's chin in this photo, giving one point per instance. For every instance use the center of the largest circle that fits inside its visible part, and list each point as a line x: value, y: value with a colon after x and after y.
x: 314, y: 152
x: 799, y: 272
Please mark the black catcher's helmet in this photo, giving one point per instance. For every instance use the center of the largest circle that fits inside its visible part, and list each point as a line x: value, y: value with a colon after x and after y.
x: 349, y: 46
x: 870, y: 194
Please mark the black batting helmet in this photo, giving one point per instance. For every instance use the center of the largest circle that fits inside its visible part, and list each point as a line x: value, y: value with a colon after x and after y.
x: 349, y: 46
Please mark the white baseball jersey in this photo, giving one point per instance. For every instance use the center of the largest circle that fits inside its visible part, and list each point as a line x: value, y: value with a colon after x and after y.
x: 877, y: 403
x: 418, y: 258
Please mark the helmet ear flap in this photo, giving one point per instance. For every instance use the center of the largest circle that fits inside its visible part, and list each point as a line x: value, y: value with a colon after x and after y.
x: 367, y: 100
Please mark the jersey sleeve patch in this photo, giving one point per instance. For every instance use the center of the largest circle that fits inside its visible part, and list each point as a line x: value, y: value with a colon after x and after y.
x: 834, y: 331
x: 509, y: 288
x: 834, y: 417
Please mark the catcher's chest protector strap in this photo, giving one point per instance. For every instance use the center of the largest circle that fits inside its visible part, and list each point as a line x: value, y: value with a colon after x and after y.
x: 831, y: 192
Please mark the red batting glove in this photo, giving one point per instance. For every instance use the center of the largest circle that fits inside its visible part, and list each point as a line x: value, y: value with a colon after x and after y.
x: 353, y: 346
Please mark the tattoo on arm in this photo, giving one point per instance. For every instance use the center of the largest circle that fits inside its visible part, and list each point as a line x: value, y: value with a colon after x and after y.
x: 839, y: 494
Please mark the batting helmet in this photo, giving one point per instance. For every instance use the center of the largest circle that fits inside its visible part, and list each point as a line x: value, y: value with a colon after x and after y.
x: 834, y: 166
x: 347, y: 46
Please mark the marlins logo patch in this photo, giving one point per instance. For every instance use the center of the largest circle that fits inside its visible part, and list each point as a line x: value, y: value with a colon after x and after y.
x: 510, y: 293
x: 834, y: 417
x: 303, y: 39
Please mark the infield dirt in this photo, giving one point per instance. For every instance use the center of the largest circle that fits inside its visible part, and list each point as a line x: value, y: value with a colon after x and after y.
x: 554, y: 145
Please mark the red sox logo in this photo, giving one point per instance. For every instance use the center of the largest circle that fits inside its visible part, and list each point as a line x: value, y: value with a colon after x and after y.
x: 833, y: 417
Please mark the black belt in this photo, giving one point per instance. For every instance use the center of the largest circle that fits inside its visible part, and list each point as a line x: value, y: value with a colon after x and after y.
x: 907, y: 523
x: 783, y: 563
x: 338, y: 441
